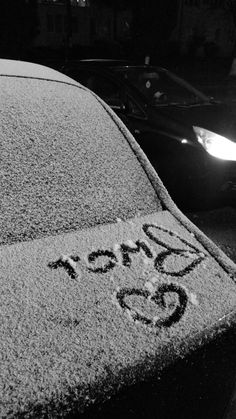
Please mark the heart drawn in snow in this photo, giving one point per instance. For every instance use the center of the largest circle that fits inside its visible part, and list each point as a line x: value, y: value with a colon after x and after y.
x: 172, y: 313
x: 184, y: 260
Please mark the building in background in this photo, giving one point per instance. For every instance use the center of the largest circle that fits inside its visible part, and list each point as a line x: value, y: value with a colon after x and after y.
x: 89, y: 22
x: 205, y: 28
x: 110, y: 23
x: 59, y: 24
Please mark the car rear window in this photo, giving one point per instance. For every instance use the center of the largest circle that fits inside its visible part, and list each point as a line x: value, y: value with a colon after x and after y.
x: 65, y: 164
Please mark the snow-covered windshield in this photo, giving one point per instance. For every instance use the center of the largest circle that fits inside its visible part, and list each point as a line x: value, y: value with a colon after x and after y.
x: 161, y: 87
x: 65, y: 164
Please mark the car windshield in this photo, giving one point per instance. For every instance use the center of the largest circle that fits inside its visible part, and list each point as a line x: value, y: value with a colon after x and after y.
x: 161, y: 87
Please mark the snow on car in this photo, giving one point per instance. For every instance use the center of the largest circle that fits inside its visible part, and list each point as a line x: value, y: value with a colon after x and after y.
x: 104, y: 282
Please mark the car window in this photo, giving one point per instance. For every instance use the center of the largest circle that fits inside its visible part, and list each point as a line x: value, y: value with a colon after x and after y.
x: 80, y: 75
x: 161, y: 87
x: 134, y: 109
x: 109, y: 91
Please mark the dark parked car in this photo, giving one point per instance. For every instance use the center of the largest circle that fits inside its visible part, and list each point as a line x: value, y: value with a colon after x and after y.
x: 188, y: 137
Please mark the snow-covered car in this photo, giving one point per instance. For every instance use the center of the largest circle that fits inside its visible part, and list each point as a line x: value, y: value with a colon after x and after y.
x: 113, y: 304
x: 188, y: 137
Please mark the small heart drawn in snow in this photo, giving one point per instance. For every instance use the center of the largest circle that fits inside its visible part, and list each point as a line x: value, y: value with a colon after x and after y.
x: 171, y: 310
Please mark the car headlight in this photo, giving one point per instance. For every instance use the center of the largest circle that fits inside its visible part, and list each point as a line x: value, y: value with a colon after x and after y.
x: 215, y: 144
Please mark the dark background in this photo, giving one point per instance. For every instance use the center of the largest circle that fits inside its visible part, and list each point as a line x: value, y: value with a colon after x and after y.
x: 154, y: 28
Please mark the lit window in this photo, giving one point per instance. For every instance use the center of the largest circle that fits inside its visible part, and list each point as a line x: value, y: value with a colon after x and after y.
x: 82, y: 3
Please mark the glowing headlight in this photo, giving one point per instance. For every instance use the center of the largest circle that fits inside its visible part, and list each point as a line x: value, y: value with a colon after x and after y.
x: 215, y: 144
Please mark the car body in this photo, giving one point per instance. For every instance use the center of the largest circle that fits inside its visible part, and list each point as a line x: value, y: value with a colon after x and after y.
x: 105, y: 284
x: 161, y: 110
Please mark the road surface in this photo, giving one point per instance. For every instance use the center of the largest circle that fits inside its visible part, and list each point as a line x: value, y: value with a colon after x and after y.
x: 220, y: 226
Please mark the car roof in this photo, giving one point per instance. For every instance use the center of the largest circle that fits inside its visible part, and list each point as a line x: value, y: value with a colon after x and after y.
x: 27, y: 69
x: 106, y: 62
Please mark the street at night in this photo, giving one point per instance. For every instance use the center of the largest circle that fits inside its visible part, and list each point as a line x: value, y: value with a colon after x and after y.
x: 118, y: 209
x: 220, y: 226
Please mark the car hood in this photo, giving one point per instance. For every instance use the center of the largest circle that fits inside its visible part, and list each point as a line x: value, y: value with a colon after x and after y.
x: 216, y: 117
